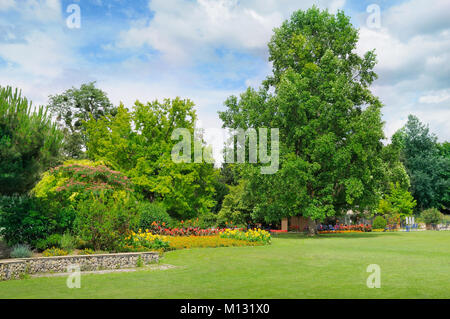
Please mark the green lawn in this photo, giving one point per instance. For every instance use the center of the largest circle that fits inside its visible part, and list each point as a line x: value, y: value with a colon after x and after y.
x: 413, y: 265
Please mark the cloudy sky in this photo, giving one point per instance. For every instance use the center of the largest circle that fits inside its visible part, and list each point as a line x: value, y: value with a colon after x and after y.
x: 207, y: 50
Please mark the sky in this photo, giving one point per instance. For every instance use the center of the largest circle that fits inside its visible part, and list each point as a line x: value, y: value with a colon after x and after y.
x: 207, y: 50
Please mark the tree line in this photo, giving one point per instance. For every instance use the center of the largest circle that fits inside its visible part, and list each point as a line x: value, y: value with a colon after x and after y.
x: 332, y: 155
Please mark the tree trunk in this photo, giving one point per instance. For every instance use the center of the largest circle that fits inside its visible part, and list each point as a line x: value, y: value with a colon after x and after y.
x: 312, y: 228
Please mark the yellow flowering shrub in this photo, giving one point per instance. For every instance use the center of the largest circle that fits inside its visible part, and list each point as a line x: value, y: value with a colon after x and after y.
x: 251, y: 235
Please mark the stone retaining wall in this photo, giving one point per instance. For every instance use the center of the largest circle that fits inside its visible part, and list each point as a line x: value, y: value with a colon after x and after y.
x: 17, y: 268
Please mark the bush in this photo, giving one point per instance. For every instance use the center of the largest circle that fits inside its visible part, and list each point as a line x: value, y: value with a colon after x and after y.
x: 54, y: 252
x: 68, y: 242
x: 22, y: 220
x: 101, y: 222
x: 152, y: 212
x: 207, y: 220
x: 379, y: 223
x: 51, y: 241
x: 431, y: 216
x: 21, y: 251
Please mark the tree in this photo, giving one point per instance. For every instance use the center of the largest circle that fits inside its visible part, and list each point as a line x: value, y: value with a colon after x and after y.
x: 29, y: 142
x: 139, y: 144
x: 427, y: 164
x: 398, y: 202
x: 330, y: 123
x: 75, y: 106
x: 236, y: 207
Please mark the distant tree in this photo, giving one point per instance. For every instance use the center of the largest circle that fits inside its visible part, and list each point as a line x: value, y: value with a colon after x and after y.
x: 73, y: 107
x: 29, y: 142
x: 330, y: 123
x: 398, y: 202
x: 427, y: 163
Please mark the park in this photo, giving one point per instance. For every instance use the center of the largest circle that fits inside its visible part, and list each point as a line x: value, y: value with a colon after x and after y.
x: 311, y: 199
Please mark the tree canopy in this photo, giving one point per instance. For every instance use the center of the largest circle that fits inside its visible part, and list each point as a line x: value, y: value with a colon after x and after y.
x: 138, y: 143
x: 330, y: 123
x: 427, y: 163
x: 29, y: 142
x: 72, y: 108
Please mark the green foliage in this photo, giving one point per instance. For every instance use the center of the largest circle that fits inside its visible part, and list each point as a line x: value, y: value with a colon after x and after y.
x: 207, y: 220
x: 152, y: 212
x: 76, y: 179
x: 431, y: 216
x: 24, y: 219
x: 29, y: 142
x: 329, y: 121
x: 427, y: 163
x: 103, y: 221
x: 379, y: 223
x: 21, y: 251
x: 75, y: 106
x: 53, y: 240
x: 236, y: 207
x: 398, y: 201
x: 68, y: 242
x: 138, y: 143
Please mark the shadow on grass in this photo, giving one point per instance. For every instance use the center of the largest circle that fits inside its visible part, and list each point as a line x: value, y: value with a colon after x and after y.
x: 338, y: 235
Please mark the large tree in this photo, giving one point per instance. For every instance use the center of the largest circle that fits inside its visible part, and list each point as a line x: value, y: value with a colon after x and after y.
x: 72, y: 108
x: 330, y: 123
x: 29, y: 142
x: 139, y: 144
x: 427, y: 163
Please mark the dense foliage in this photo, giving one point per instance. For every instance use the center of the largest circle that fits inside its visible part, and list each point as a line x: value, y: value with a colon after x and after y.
x: 330, y: 123
x: 427, y: 163
x: 379, y: 223
x: 29, y: 142
x: 138, y: 143
x: 431, y: 216
x: 72, y: 108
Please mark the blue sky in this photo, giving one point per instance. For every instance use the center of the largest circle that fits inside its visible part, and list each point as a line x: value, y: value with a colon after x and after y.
x: 207, y: 50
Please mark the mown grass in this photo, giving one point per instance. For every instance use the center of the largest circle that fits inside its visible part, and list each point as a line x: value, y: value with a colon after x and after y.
x: 413, y: 265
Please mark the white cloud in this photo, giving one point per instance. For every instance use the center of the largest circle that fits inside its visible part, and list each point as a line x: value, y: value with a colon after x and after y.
x: 7, y: 5
x: 413, y: 53
x: 185, y: 29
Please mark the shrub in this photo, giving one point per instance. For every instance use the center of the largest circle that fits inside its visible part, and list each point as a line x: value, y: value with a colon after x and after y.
x: 22, y: 220
x: 144, y: 239
x: 254, y: 235
x: 431, y: 216
x: 379, y: 223
x: 101, y: 222
x: 54, y: 252
x: 87, y: 251
x: 51, y: 241
x: 152, y: 212
x: 21, y: 251
x: 207, y: 220
x: 68, y: 242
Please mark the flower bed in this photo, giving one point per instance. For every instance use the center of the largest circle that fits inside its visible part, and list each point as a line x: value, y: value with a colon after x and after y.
x: 337, y: 229
x: 253, y: 235
x: 144, y: 240
x: 163, y: 229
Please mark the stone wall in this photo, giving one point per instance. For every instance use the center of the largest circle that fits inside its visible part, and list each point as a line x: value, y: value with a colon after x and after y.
x: 17, y: 268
